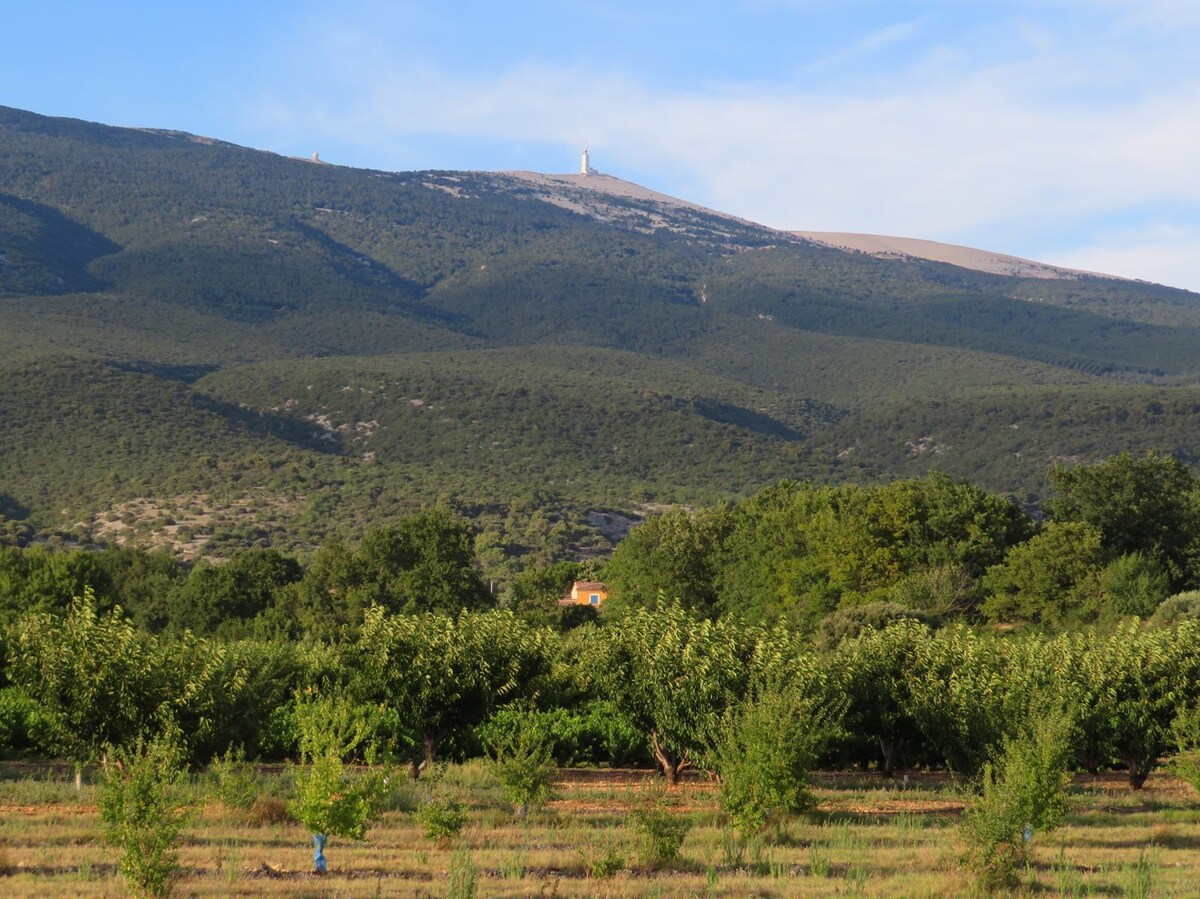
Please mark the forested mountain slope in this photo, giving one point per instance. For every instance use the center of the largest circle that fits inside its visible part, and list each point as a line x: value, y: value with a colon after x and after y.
x: 288, y: 348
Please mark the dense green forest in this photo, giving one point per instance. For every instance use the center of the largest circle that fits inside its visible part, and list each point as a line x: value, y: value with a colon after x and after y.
x: 923, y: 622
x: 1117, y: 539
x: 212, y: 349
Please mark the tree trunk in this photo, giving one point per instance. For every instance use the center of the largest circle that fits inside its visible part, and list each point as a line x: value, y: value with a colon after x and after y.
x: 671, y: 765
x: 888, y: 749
x: 1139, y: 770
x: 429, y: 742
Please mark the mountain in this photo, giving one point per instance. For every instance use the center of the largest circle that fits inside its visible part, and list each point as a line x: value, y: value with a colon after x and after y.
x: 211, y: 346
x: 879, y: 245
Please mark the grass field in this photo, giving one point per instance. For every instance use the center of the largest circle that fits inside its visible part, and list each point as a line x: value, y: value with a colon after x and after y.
x: 869, y: 838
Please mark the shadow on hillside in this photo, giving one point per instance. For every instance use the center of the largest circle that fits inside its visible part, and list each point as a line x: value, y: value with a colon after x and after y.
x: 738, y: 416
x: 359, y: 268
x: 62, y: 246
x: 11, y: 509
x: 185, y: 374
x: 303, y: 434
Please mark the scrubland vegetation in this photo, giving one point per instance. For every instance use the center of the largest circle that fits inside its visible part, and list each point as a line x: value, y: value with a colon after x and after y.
x: 864, y: 837
x: 922, y: 626
x: 297, y: 459
x: 210, y: 349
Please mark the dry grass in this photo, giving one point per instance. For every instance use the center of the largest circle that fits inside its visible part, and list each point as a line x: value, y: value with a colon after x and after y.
x: 870, y: 838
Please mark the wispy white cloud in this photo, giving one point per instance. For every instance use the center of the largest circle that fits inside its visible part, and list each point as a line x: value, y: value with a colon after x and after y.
x: 1162, y: 253
x: 1152, y: 13
x: 1030, y: 146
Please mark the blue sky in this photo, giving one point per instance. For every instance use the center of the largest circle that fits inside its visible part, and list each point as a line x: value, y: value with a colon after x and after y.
x: 1062, y: 130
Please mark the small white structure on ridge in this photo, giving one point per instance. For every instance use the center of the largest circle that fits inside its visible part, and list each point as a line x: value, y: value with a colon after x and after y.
x: 585, y: 166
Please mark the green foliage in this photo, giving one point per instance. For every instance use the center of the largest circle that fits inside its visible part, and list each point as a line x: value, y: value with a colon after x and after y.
x: 144, y: 812
x: 525, y: 770
x: 846, y: 624
x: 441, y: 819
x: 674, y: 554
x: 1025, y: 787
x: 589, y: 733
x: 142, y: 582
x: 232, y: 783
x: 216, y: 597
x: 37, y: 579
x: 24, y: 729
x: 1134, y: 585
x: 1140, y: 504
x: 1180, y: 607
x: 92, y: 675
x: 661, y: 832
x: 875, y: 672
x: 1128, y: 687
x: 1186, y: 731
x: 274, y: 671
x: 330, y: 798
x: 100, y: 680
x: 534, y: 592
x: 602, y: 867
x: 1053, y: 578
x: 674, y: 675
x: 422, y: 563
x: 443, y: 675
x: 771, y: 744
x: 797, y: 552
x: 965, y: 691
x: 940, y: 590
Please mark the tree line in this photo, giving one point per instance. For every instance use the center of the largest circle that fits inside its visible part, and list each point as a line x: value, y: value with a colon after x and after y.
x: 659, y: 684
x: 874, y: 605
x: 1120, y: 538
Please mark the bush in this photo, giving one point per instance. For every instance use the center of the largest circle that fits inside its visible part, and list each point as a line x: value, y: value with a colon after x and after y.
x: 1180, y: 607
x: 593, y: 733
x: 231, y: 782
x: 23, y: 726
x: 441, y: 819
x: 845, y: 624
x: 662, y: 834
x: 1024, y: 788
x: 602, y: 867
x: 1134, y: 585
x: 330, y: 799
x: 764, y: 760
x: 525, y: 772
x: 143, y: 814
x: 279, y: 737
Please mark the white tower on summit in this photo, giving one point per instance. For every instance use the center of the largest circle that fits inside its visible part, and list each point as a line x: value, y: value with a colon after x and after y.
x: 585, y: 166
